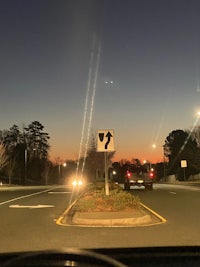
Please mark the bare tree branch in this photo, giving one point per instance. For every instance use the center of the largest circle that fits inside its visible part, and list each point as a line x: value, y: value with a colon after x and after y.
x: 3, y: 156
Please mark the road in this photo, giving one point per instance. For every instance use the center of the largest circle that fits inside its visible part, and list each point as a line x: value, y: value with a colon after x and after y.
x: 28, y: 220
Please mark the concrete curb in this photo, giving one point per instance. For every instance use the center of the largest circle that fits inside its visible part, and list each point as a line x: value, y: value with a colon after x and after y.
x: 71, y: 218
x: 112, y: 222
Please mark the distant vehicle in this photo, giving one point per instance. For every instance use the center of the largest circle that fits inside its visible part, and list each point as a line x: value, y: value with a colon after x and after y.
x: 77, y: 182
x: 141, y: 179
x: 130, y: 175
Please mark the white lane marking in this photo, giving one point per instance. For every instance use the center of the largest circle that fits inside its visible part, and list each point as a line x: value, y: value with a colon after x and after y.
x: 25, y: 196
x: 176, y: 186
x: 24, y: 187
x: 173, y: 193
x: 31, y: 207
x: 57, y: 192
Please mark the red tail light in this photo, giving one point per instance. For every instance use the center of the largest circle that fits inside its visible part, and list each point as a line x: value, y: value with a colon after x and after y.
x: 151, y: 175
x: 128, y: 174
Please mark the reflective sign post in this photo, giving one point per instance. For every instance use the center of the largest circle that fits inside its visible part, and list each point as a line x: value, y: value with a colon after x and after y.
x: 184, y: 165
x: 106, y: 174
x: 105, y: 143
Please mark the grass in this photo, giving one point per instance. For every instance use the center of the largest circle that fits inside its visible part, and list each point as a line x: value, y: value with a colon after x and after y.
x: 95, y: 199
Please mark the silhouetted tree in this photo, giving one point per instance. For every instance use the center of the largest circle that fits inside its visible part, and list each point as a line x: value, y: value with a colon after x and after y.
x: 180, y: 145
x: 13, y: 141
x: 3, y: 156
x: 36, y: 140
x: 27, y: 151
x: 37, y: 146
x: 195, y: 134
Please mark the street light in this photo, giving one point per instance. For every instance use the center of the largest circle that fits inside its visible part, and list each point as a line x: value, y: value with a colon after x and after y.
x: 148, y: 164
x: 59, y: 169
x: 164, y: 167
x: 26, y: 161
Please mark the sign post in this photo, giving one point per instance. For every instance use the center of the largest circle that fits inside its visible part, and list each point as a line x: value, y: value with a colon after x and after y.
x: 105, y: 143
x: 106, y: 173
x: 184, y: 165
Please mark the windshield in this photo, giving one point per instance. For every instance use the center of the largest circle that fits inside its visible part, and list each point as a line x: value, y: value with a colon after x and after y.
x: 100, y: 105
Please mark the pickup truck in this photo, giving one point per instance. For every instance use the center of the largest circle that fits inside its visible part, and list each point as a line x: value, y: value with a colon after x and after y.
x: 135, y: 179
x: 132, y: 175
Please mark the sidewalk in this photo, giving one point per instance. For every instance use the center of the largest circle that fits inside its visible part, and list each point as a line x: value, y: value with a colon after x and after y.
x: 176, y: 182
x: 194, y: 183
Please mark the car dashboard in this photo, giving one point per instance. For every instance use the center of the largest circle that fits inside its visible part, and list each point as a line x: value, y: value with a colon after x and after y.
x: 118, y: 257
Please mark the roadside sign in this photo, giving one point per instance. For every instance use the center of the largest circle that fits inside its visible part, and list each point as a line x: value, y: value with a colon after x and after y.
x: 105, y: 141
x: 183, y: 163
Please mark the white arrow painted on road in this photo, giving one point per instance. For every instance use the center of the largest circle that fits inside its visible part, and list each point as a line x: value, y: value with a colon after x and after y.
x: 31, y: 207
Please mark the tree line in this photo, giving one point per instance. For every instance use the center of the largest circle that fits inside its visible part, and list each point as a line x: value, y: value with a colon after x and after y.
x: 183, y: 146
x: 26, y: 152
x: 24, y: 157
x: 180, y: 146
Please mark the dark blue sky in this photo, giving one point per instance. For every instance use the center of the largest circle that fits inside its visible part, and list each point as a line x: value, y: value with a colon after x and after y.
x: 149, y: 49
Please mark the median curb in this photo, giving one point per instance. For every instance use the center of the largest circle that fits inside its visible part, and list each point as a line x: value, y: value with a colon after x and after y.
x: 137, y: 218
x: 78, y: 219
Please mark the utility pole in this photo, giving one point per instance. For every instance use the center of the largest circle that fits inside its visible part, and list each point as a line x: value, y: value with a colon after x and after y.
x: 25, y: 162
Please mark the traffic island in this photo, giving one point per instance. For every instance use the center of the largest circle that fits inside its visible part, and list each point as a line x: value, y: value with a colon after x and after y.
x: 131, y: 218
x: 120, y: 208
x: 110, y: 218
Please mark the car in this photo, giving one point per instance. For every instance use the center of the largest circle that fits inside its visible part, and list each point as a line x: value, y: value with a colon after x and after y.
x: 134, y: 179
x: 131, y: 175
x: 77, y: 182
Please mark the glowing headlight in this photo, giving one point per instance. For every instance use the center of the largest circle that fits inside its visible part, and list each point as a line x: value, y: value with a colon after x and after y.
x: 80, y: 182
x: 74, y: 183
x: 77, y: 183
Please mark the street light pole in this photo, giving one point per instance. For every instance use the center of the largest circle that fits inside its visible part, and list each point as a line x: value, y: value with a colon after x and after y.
x: 164, y: 171
x: 164, y: 163
x: 25, y: 161
x: 59, y: 170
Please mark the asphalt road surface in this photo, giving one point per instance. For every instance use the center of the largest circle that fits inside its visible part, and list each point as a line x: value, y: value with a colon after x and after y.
x: 28, y: 220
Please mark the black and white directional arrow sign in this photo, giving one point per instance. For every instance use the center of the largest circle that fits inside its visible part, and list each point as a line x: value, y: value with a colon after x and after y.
x: 105, y: 141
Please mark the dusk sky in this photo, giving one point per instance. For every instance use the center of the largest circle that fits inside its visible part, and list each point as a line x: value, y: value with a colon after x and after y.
x: 148, y: 75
